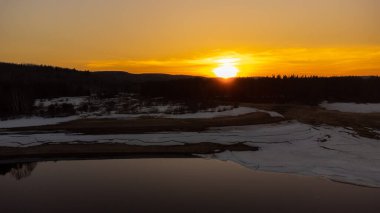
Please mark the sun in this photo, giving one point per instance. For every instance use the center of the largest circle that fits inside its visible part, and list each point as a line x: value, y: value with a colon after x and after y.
x: 227, y: 68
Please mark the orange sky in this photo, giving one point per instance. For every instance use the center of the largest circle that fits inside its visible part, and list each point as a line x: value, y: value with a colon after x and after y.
x: 304, y: 37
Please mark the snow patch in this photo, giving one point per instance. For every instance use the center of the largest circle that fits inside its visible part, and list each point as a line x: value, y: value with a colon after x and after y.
x: 34, y: 121
x: 204, y: 114
x: 232, y: 112
x: 214, y: 113
x: 352, y: 107
x: 75, y: 101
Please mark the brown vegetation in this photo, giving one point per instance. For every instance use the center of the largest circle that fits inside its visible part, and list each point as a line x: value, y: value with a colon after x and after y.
x: 146, y: 124
x: 112, y: 150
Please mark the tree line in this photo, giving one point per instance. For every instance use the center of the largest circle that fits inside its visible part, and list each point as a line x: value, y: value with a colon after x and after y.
x: 279, y: 89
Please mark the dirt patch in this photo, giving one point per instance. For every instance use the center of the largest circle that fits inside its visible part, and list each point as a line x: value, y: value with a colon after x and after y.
x: 146, y: 125
x: 104, y: 150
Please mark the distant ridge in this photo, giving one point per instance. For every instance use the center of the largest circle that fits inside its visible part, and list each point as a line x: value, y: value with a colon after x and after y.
x: 117, y: 75
x: 140, y: 77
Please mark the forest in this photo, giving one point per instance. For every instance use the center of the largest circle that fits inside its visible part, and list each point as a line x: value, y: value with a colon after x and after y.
x: 22, y: 84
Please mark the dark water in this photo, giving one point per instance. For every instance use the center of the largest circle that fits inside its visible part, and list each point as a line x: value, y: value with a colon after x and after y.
x: 171, y: 185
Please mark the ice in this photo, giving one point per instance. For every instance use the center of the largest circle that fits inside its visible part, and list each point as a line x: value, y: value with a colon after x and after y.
x: 352, y: 107
x: 342, y: 156
x: 290, y: 147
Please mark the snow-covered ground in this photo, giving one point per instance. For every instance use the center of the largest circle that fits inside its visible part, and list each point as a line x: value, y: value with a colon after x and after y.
x: 75, y: 101
x: 232, y: 112
x: 213, y: 113
x: 352, y: 107
x: 35, y: 121
x: 203, y: 114
x: 291, y: 147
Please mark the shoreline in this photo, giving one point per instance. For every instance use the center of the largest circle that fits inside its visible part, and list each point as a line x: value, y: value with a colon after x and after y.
x: 136, y: 156
x: 96, y: 150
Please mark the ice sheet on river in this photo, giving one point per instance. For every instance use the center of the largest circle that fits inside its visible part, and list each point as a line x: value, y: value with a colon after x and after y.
x: 291, y: 147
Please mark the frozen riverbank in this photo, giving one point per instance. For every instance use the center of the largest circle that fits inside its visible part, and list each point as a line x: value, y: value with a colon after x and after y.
x: 290, y: 147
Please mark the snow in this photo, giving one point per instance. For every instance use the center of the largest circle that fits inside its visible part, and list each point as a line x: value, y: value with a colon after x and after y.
x: 75, y: 101
x: 290, y: 147
x: 40, y: 121
x: 200, y: 115
x: 233, y: 112
x: 332, y: 152
x: 352, y: 107
x: 35, y: 121
x: 167, y: 111
x: 158, y: 109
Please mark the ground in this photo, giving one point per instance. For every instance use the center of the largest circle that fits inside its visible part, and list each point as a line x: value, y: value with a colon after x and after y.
x: 362, y: 123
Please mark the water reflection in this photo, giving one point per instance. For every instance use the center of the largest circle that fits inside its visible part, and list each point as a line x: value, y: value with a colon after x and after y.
x: 18, y: 170
x: 183, y: 185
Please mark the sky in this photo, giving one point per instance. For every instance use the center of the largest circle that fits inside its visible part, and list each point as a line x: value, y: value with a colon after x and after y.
x: 262, y: 37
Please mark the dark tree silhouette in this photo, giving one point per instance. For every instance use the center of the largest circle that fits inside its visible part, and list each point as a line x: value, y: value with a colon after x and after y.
x: 21, y: 84
x: 18, y: 170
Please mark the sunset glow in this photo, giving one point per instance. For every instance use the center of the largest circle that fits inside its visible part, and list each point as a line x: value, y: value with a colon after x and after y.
x: 316, y: 37
x: 260, y: 62
x: 227, y: 68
